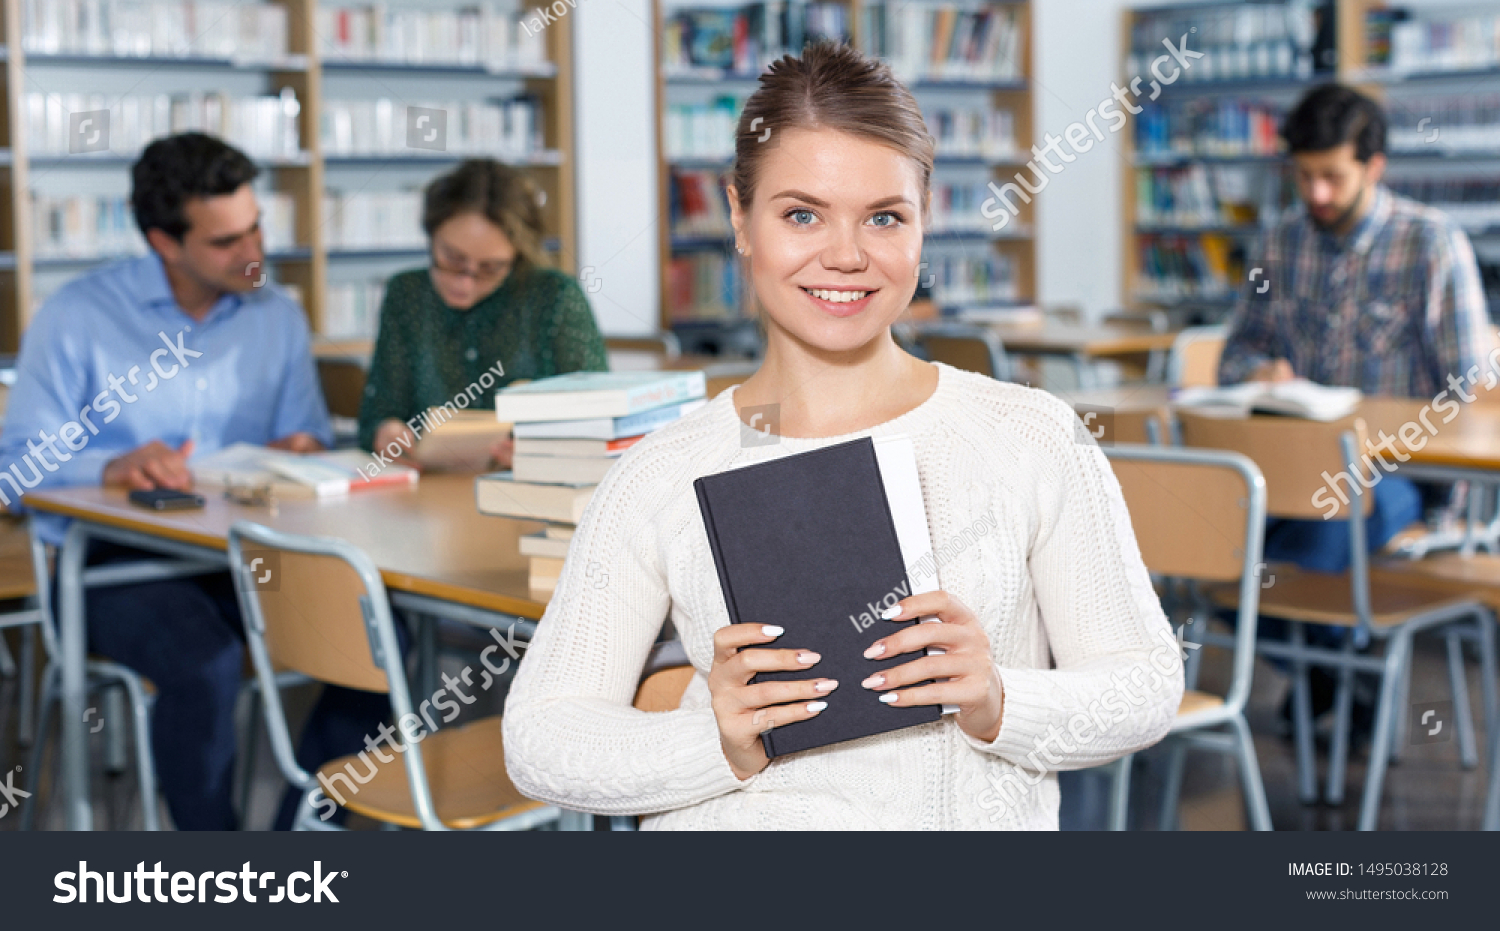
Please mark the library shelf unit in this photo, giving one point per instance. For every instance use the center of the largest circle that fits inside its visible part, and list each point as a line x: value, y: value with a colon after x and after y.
x: 323, y: 77
x: 1443, y: 107
x: 977, y: 105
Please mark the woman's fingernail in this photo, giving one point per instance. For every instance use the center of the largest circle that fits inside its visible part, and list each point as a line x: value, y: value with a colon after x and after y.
x: 874, y: 651
x: 874, y: 682
x: 771, y: 630
x: 807, y: 658
x: 813, y: 707
x: 891, y: 613
x: 890, y: 698
x: 826, y: 685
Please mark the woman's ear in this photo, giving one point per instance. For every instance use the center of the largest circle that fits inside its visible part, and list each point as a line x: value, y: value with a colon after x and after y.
x: 737, y: 221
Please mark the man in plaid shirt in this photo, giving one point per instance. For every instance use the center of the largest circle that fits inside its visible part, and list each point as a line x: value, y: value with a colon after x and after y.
x: 1363, y: 288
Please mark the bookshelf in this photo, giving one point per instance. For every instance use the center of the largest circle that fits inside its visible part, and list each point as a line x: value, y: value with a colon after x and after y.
x: 317, y: 92
x: 978, y: 106
x: 1205, y: 171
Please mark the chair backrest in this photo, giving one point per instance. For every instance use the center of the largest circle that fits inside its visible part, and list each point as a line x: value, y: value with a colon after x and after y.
x: 1194, y: 361
x: 1303, y: 461
x: 664, y: 678
x: 317, y: 605
x: 1200, y: 514
x: 966, y: 346
x: 343, y: 382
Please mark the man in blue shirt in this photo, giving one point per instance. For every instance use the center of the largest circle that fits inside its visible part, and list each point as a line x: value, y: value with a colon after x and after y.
x: 122, y: 376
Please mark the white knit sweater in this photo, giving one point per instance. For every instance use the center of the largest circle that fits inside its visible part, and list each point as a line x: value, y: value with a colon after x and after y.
x: 1031, y: 533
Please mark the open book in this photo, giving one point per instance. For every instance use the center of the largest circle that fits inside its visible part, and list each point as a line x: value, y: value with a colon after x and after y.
x: 1295, y: 398
x: 297, y: 475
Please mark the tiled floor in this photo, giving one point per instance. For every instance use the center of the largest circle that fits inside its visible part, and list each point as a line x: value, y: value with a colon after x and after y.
x: 1427, y: 790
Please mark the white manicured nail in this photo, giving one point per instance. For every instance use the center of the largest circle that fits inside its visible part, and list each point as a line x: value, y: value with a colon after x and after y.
x: 890, y: 698
x: 771, y: 630
x: 875, y: 651
x: 826, y: 685
x: 891, y: 613
x: 813, y: 707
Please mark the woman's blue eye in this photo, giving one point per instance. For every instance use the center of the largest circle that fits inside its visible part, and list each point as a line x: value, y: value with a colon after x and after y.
x: 894, y: 218
x: 798, y: 214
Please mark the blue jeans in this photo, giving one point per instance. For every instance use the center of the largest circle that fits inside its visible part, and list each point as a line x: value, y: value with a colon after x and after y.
x: 1323, y: 546
x: 185, y: 635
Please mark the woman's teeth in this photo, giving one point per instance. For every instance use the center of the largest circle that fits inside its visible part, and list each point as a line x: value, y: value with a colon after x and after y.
x: 836, y: 297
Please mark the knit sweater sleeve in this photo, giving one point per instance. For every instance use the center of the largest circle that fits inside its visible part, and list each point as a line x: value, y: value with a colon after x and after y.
x: 1118, y: 676
x: 572, y: 737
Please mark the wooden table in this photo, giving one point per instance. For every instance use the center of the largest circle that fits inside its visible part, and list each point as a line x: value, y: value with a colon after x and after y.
x: 1052, y: 337
x: 1466, y: 447
x: 1083, y: 344
x: 436, y: 553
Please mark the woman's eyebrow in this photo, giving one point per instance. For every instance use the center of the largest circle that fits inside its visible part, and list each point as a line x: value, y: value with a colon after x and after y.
x: 819, y: 202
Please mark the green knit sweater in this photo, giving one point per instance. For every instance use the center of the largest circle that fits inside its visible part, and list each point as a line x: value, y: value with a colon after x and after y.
x: 536, y: 324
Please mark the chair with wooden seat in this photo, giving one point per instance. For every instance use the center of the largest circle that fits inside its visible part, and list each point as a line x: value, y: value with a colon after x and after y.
x: 1194, y: 359
x: 1200, y: 514
x: 317, y: 605
x: 966, y: 346
x: 102, y: 674
x: 1298, y: 459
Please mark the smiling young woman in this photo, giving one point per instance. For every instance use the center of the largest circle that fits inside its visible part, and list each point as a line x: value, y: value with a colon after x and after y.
x: 1041, y: 617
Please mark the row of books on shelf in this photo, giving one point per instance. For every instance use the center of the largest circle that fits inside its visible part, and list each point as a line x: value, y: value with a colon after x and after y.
x: 742, y: 41
x: 351, y: 309
x: 87, y: 225
x: 372, y: 219
x: 704, y: 286
x: 491, y: 35
x: 706, y: 130
x: 1462, y: 123
x: 507, y: 129
x: 1210, y: 127
x: 139, y: 28
x: 262, y: 127
x: 701, y: 130
x: 570, y: 430
x: 968, y: 281
x: 1239, y: 42
x: 1432, y: 41
x: 1206, y: 195
x: 972, y: 132
x: 697, y: 203
x: 1472, y: 203
x: 1208, y: 265
x: 945, y: 42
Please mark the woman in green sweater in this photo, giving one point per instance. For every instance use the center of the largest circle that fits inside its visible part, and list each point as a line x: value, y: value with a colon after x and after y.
x: 487, y: 303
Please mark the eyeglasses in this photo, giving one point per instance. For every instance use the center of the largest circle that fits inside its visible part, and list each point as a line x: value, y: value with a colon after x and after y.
x: 487, y: 273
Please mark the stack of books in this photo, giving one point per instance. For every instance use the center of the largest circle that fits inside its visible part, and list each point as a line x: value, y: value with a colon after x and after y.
x: 569, y: 431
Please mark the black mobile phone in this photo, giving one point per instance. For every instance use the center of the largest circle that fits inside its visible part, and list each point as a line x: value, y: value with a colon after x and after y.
x: 165, y: 499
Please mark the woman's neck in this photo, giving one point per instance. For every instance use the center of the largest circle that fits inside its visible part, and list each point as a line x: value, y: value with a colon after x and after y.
x: 830, y: 394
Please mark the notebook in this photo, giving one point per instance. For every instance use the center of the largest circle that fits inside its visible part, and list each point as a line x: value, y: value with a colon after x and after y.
x: 810, y: 542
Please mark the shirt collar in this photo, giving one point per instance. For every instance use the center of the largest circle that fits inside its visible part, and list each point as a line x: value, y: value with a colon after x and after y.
x: 1369, y: 226
x: 156, y: 292
x: 1362, y: 236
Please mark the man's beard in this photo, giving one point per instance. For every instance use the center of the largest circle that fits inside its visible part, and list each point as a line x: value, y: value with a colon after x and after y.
x: 1332, y: 226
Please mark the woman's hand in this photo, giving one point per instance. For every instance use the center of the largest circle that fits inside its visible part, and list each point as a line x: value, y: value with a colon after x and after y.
x: 503, y: 452
x: 394, y: 431
x: 743, y: 710
x: 971, y: 681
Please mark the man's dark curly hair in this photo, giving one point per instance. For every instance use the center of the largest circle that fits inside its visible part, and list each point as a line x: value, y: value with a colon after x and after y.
x: 177, y: 168
x: 1331, y: 115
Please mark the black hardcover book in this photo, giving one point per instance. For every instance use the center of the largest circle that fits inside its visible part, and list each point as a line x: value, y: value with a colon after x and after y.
x: 807, y: 542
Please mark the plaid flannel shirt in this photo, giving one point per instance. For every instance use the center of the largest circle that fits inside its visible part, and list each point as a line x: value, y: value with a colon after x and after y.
x: 1392, y: 308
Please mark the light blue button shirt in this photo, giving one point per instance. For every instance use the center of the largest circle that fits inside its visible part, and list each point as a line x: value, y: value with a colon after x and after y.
x: 111, y: 362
